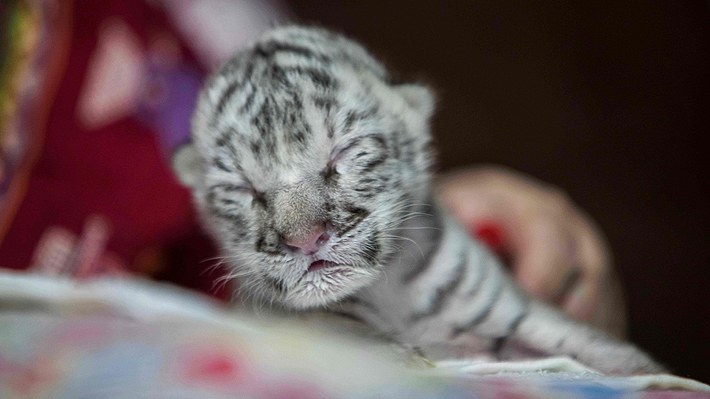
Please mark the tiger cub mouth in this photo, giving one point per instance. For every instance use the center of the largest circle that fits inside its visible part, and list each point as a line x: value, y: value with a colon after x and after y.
x: 321, y: 264
x: 325, y: 282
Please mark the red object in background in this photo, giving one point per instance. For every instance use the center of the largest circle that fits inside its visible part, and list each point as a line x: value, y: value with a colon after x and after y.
x: 492, y: 234
x: 118, y: 170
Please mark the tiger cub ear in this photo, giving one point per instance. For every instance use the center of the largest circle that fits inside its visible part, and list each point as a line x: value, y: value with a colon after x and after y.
x: 418, y: 96
x: 187, y: 164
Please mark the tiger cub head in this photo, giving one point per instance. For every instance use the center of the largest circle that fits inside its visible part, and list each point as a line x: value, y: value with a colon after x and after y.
x: 305, y: 158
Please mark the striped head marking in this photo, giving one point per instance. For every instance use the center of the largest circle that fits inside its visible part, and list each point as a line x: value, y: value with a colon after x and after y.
x: 304, y: 159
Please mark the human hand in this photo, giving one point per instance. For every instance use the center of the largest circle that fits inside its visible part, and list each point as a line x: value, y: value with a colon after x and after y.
x: 554, y: 249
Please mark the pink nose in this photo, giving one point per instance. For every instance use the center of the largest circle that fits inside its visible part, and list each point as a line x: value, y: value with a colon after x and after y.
x: 311, y: 243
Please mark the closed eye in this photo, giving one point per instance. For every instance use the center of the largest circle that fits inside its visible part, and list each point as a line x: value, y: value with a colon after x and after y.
x: 234, y: 188
x: 338, y: 153
x: 329, y: 172
x: 257, y: 198
x: 224, y: 198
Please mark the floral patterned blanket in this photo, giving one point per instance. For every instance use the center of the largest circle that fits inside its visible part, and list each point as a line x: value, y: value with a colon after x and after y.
x: 110, y: 338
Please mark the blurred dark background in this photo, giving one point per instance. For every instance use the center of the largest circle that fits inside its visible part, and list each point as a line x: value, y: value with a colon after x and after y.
x: 608, y: 100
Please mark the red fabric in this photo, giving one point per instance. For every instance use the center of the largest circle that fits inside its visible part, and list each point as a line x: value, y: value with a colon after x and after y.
x: 117, y: 171
x: 491, y: 233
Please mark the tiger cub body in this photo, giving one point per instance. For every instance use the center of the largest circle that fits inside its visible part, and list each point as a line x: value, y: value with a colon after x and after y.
x: 311, y: 167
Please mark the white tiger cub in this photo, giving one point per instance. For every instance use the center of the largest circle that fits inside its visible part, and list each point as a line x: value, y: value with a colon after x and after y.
x: 310, y: 166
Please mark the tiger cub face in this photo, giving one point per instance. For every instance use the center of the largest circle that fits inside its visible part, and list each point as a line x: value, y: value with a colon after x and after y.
x: 304, y: 159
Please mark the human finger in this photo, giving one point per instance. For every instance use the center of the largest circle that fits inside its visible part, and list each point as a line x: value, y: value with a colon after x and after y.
x: 544, y: 258
x: 599, y: 297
